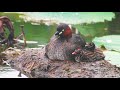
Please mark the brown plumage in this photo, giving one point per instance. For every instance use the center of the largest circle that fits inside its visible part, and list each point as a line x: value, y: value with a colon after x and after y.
x: 88, y: 54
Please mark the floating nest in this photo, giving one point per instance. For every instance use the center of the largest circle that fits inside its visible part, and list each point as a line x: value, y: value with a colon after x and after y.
x: 34, y: 64
x: 40, y: 63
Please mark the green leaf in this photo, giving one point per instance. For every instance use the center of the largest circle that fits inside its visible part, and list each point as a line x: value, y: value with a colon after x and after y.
x: 112, y: 57
x: 110, y: 42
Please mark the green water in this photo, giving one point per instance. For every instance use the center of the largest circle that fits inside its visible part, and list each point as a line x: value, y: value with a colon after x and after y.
x: 112, y: 57
x: 110, y: 42
x: 71, y: 17
x: 38, y: 33
x: 41, y: 32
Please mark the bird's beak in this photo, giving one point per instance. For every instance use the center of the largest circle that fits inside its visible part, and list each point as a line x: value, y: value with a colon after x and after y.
x: 57, y: 33
x: 73, y: 53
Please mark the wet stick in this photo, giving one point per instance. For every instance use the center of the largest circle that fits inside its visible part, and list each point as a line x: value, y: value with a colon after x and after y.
x: 25, y: 44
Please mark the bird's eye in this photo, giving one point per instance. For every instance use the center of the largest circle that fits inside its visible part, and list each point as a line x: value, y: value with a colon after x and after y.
x: 63, y: 30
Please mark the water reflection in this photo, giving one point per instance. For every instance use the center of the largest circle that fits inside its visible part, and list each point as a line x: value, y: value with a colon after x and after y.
x: 8, y: 72
x: 112, y: 57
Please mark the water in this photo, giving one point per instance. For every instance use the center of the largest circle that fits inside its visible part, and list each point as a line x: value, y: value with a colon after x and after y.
x: 113, y: 57
x: 42, y: 32
x: 110, y: 42
x: 70, y: 17
x: 8, y: 72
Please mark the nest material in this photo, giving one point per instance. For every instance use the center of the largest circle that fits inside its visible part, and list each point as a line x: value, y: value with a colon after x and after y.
x: 34, y: 64
x: 30, y: 60
x: 89, y: 56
